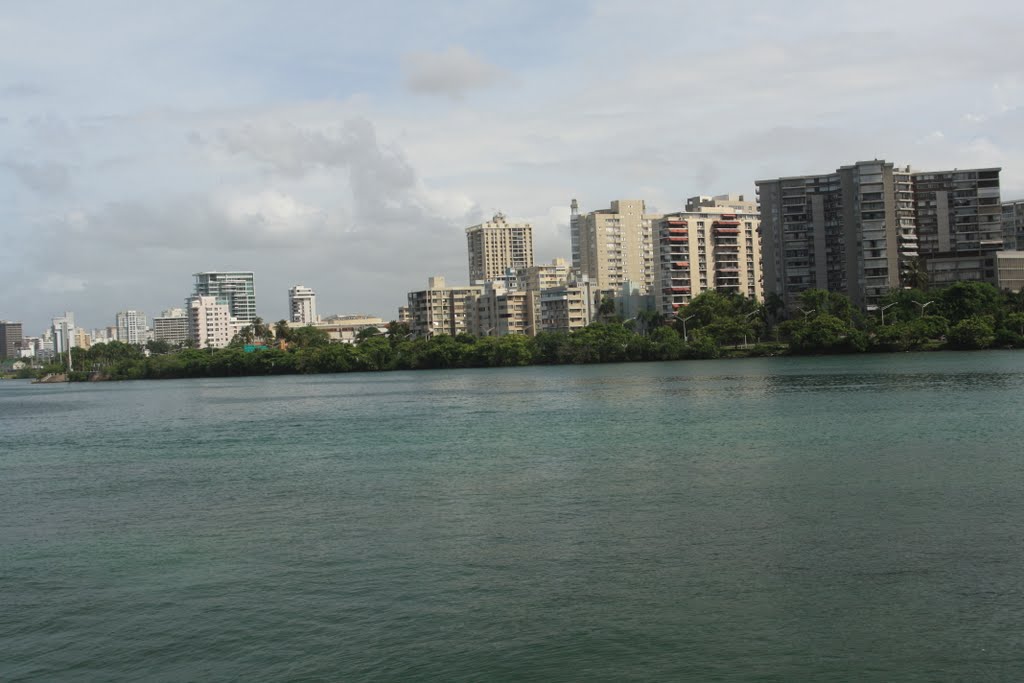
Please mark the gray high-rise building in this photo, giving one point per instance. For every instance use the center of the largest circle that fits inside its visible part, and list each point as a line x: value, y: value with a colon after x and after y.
x: 10, y: 339
x: 857, y: 231
x: 851, y: 231
x: 234, y: 288
x: 1013, y: 224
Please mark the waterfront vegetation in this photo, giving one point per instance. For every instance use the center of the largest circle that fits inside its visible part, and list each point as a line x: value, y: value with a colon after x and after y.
x: 966, y: 315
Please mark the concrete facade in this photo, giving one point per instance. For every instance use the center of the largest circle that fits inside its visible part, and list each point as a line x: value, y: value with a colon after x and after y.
x: 131, y: 326
x: 497, y: 246
x: 713, y: 245
x: 615, y: 245
x: 302, y: 305
x: 210, y: 323
x: 852, y: 231
x: 1010, y: 270
x: 10, y: 339
x: 1013, y: 225
x: 440, y: 309
x: 171, y: 326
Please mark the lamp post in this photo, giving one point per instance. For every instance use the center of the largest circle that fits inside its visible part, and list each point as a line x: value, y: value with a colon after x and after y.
x: 924, y: 306
x: 807, y: 313
x: 883, y: 310
x: 685, y: 337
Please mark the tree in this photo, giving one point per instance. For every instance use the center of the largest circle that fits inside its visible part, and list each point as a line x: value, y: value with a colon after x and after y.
x: 282, y: 331
x: 308, y: 337
x: 915, y: 274
x: 158, y: 347
x: 973, y: 332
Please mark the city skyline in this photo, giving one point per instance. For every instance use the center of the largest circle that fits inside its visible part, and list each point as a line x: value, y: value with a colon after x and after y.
x: 305, y: 146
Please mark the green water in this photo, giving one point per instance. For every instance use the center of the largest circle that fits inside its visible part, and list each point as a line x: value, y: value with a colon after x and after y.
x: 848, y: 519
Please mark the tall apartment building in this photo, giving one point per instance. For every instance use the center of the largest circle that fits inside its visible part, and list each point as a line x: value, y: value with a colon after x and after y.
x: 63, y: 332
x: 236, y: 289
x: 81, y: 338
x: 713, y: 245
x: 496, y: 246
x: 171, y: 326
x: 10, y: 339
x: 1013, y: 225
x: 302, y: 305
x: 959, y: 210
x: 615, y: 245
x: 131, y: 327
x: 440, y: 309
x: 851, y: 231
x: 210, y: 323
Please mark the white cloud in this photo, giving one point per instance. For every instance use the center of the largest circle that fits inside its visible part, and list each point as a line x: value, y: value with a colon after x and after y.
x: 452, y: 73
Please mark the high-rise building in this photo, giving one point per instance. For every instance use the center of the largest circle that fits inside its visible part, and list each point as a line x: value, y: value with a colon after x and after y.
x: 131, y: 327
x: 63, y: 331
x: 713, y: 245
x: 1013, y: 224
x: 171, y: 326
x: 852, y: 231
x: 958, y: 211
x: 496, y: 246
x: 302, y: 305
x: 210, y: 323
x: 82, y: 339
x: 440, y: 309
x: 615, y: 245
x: 236, y: 289
x: 10, y: 339
x: 566, y: 308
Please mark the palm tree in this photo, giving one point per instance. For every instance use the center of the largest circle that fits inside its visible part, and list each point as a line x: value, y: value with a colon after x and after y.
x: 915, y: 274
x: 281, y: 330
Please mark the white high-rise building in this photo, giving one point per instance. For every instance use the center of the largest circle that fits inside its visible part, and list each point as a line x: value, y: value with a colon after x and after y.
x: 63, y: 329
x: 302, y: 305
x: 131, y: 327
x: 210, y: 324
x: 235, y: 288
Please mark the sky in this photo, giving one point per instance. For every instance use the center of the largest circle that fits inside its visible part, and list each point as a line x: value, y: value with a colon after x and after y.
x: 346, y: 146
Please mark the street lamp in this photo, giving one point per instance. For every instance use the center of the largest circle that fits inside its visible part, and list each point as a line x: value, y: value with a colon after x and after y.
x: 685, y: 337
x: 924, y: 306
x: 807, y: 313
x: 883, y: 310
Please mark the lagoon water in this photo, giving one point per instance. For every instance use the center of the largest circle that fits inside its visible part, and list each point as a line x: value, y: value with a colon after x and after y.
x: 837, y: 519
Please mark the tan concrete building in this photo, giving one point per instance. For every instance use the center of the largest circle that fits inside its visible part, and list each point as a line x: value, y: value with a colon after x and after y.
x: 346, y: 328
x: 496, y: 246
x: 440, y: 309
x: 614, y: 245
x: 713, y: 245
x: 500, y: 311
x: 565, y: 309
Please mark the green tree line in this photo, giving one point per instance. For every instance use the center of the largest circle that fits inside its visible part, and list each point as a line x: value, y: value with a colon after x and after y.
x: 966, y: 315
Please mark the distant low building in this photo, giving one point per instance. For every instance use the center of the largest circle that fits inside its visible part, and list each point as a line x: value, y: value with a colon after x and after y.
x: 441, y: 309
x: 171, y: 326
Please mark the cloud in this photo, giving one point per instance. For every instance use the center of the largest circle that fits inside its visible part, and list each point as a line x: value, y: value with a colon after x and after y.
x: 451, y: 73
x: 47, y: 178
x: 21, y: 90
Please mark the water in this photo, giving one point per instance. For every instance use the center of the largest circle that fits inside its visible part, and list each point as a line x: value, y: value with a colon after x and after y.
x: 772, y: 520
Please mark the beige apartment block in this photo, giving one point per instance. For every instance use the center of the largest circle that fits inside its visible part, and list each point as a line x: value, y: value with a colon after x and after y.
x: 614, y: 245
x: 500, y: 311
x: 713, y: 245
x: 440, y: 309
x: 565, y: 309
x: 496, y: 246
x: 545, y: 275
